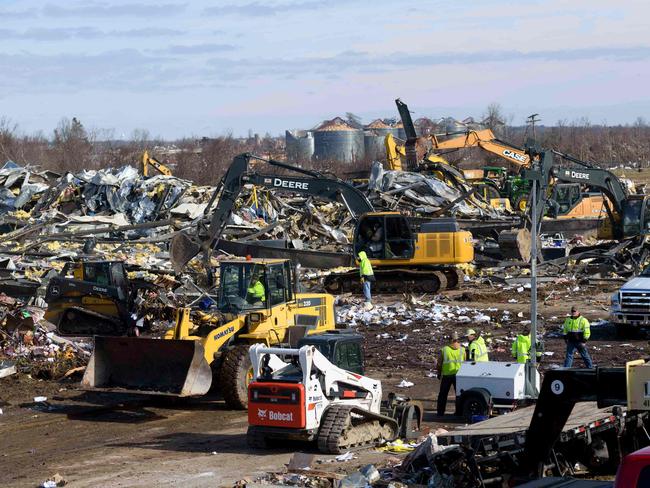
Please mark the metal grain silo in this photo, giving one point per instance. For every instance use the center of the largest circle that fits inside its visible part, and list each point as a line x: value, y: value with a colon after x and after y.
x: 335, y: 140
x: 299, y: 145
x: 373, y: 139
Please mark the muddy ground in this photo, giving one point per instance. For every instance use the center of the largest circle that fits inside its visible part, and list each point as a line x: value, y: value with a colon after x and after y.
x: 103, y: 440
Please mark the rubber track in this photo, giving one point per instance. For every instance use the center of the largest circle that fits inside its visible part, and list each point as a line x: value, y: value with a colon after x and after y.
x: 228, y: 377
x: 337, y: 419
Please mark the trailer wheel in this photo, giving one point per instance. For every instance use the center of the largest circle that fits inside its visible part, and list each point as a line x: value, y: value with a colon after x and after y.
x: 234, y: 376
x: 474, y: 403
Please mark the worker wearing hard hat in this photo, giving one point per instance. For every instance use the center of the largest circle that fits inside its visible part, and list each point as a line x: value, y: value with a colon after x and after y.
x: 367, y: 277
x: 576, y: 330
x: 256, y: 292
x: 476, y: 349
x: 449, y: 363
x: 521, y: 346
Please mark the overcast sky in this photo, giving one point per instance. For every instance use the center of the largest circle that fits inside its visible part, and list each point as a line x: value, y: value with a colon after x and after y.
x: 203, y: 68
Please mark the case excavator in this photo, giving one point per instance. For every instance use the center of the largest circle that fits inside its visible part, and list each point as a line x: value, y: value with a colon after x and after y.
x: 406, y: 254
x: 257, y: 302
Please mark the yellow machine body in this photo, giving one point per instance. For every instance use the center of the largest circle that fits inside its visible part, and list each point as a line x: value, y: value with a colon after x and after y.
x: 182, y: 364
x: 413, y: 249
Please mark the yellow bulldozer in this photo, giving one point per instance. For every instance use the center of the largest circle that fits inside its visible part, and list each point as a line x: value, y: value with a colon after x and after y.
x: 257, y: 303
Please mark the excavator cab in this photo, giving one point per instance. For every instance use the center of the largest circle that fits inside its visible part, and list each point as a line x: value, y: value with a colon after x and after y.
x: 384, y: 236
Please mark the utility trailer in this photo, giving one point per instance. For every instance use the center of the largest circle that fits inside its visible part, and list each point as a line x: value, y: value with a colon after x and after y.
x: 579, y: 418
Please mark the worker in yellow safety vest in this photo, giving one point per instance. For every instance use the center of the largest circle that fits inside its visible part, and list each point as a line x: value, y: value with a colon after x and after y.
x: 477, y: 349
x: 367, y: 276
x: 521, y: 347
x: 449, y: 363
x: 576, y: 331
x: 256, y: 292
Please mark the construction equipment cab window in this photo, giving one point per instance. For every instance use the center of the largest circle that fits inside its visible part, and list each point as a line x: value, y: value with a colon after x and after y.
x: 252, y: 286
x: 385, y: 237
x: 243, y: 287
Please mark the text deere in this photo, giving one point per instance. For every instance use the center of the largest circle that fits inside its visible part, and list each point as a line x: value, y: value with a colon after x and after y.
x: 298, y: 185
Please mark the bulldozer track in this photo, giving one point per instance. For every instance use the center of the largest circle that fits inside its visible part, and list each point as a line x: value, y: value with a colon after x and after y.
x: 339, y: 432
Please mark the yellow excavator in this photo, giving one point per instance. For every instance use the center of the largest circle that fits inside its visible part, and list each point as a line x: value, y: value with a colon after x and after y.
x: 257, y: 303
x: 149, y: 161
x: 406, y: 254
x: 493, y: 183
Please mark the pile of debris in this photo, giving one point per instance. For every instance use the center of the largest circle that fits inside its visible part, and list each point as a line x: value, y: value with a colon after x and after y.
x: 29, y: 344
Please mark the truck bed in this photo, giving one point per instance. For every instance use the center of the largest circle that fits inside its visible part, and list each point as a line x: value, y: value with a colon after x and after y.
x: 585, y: 416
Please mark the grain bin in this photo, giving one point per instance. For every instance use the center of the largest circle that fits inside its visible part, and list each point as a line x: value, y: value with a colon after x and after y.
x: 299, y: 145
x: 373, y: 139
x: 336, y: 140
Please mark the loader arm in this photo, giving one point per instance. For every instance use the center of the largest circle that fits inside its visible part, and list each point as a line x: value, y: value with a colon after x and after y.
x: 184, y: 247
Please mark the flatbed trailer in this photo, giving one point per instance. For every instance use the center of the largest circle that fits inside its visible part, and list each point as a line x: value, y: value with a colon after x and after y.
x: 595, y: 437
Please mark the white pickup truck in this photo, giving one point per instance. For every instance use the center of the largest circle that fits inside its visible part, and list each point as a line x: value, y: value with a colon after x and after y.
x: 630, y: 305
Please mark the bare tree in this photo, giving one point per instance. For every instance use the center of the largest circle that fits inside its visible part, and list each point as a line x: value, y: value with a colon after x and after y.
x: 72, y: 145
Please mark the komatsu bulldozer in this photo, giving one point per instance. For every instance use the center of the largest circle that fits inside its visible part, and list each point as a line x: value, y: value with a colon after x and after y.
x: 257, y: 303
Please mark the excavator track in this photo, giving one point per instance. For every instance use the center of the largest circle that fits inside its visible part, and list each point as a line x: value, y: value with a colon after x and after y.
x: 397, y: 280
x: 344, y: 428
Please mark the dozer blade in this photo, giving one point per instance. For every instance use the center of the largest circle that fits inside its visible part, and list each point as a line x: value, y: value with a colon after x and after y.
x: 149, y: 366
x: 182, y: 249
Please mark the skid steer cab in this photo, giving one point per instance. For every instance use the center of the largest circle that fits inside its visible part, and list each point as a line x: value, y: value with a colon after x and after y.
x: 257, y: 303
x: 311, y: 393
x: 89, y: 298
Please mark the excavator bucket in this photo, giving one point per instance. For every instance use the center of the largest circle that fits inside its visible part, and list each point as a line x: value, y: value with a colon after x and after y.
x: 149, y: 366
x: 182, y: 249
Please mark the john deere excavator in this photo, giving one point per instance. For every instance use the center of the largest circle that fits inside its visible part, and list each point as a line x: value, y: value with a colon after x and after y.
x: 629, y: 215
x: 406, y: 254
x: 257, y: 303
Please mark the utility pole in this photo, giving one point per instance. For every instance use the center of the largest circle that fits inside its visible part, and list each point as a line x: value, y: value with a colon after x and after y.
x: 531, y: 120
x: 532, y: 364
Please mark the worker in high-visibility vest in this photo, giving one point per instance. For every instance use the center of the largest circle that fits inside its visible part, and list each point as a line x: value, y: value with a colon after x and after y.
x: 449, y: 363
x: 256, y: 292
x: 521, y: 347
x: 576, y: 330
x: 367, y: 276
x: 476, y: 349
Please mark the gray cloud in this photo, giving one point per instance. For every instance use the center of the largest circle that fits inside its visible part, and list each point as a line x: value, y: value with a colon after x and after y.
x: 197, y: 49
x: 64, y: 33
x: 357, y: 61
x: 126, y: 69
x: 258, y: 9
x: 18, y: 14
x: 94, y: 9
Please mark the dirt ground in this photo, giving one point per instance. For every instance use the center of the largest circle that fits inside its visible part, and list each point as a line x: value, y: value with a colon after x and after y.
x: 94, y: 439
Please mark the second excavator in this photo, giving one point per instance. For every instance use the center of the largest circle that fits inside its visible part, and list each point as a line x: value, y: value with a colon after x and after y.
x: 406, y: 254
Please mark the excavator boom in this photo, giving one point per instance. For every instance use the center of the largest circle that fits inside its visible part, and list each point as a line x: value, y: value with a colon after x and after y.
x: 185, y: 246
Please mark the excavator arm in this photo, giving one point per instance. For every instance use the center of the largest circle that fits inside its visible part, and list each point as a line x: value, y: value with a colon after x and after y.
x: 485, y: 139
x: 546, y: 171
x: 185, y: 246
x: 153, y: 162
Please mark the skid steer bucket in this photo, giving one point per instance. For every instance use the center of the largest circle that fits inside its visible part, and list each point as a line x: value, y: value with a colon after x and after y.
x: 149, y: 366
